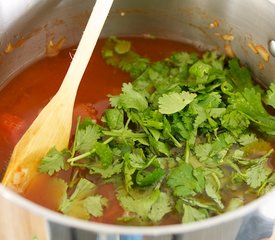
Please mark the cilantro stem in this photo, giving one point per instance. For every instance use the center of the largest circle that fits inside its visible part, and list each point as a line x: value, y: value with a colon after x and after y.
x: 127, y: 123
x: 216, y: 179
x: 74, y: 144
x: 187, y: 152
x: 262, y: 187
x: 176, y: 142
x: 108, y: 140
x: 87, y: 154
x: 73, y: 179
x: 81, y: 156
x: 127, y: 135
x: 225, y: 87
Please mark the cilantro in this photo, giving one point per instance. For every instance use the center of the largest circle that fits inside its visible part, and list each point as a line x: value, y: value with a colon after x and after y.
x: 146, y: 178
x: 118, y: 53
x: 235, y: 122
x: 234, y: 204
x: 137, y: 204
x: 247, y: 138
x: 86, y: 138
x: 74, y: 205
x: 174, y: 102
x: 95, y: 204
x: 183, y: 181
x: 80, y: 203
x: 153, y: 205
x: 249, y: 102
x: 161, y: 207
x: 184, y: 132
x: 122, y: 47
x: 130, y: 99
x: 240, y: 76
x: 105, y: 154
x: 257, y: 174
x: 203, y: 151
x: 159, y: 146
x: 200, y: 70
x: 106, y: 172
x: 53, y: 162
x: 114, y: 118
x: 192, y: 214
x: 212, y: 188
x: 270, y: 95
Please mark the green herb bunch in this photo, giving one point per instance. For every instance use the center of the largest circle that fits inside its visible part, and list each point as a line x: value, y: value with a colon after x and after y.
x: 188, y: 135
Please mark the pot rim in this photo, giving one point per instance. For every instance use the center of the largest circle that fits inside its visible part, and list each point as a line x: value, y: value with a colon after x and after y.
x: 118, y: 229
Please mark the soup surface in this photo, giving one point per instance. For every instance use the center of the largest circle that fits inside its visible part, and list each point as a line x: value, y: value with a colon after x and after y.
x: 23, y: 98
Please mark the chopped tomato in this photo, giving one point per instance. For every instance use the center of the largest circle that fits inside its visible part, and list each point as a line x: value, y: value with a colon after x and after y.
x: 101, y: 106
x: 93, y: 111
x: 12, y: 127
x: 83, y: 110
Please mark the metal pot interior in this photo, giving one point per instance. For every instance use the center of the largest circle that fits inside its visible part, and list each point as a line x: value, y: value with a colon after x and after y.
x: 231, y: 27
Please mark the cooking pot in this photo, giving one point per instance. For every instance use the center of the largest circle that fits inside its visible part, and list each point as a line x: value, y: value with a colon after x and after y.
x: 245, y: 29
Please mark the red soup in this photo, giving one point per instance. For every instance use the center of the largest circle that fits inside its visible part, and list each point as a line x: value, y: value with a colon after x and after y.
x: 174, y: 153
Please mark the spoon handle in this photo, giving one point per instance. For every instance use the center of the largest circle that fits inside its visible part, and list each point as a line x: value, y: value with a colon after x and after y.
x: 86, y: 46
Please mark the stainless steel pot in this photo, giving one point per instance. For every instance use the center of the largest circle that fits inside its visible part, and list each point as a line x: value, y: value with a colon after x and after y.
x: 242, y: 28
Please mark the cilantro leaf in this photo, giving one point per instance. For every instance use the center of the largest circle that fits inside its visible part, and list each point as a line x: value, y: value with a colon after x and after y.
x: 122, y: 47
x: 114, y: 118
x: 249, y: 102
x: 161, y: 207
x: 240, y: 76
x: 153, y: 205
x: 86, y: 138
x: 141, y: 205
x: 95, y: 205
x: 129, y: 99
x: 183, y: 182
x: 105, y: 154
x: 146, y: 178
x: 74, y: 205
x: 175, y: 102
x: 234, y: 204
x: 118, y: 53
x: 200, y: 71
x: 247, y: 138
x: 212, y: 190
x: 192, y: 214
x: 159, y: 146
x: 257, y: 174
x: 203, y: 151
x: 235, y: 122
x: 106, y: 172
x: 270, y: 95
x: 183, y: 58
x: 53, y: 162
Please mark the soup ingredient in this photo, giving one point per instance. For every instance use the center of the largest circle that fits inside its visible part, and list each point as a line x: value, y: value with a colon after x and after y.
x: 12, y: 126
x: 187, y: 135
x: 53, y: 124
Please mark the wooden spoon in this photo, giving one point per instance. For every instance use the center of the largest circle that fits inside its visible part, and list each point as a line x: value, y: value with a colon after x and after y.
x: 52, y: 127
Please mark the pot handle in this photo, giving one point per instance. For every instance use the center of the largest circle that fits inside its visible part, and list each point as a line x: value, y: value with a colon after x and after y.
x: 255, y: 226
x: 259, y: 224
